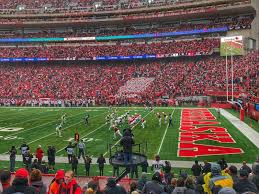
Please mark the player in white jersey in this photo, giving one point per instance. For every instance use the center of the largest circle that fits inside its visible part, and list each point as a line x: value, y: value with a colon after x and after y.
x: 157, y: 164
x: 116, y: 131
x: 143, y: 122
x: 63, y: 119
x: 58, y: 130
x: 165, y: 117
x: 159, y: 119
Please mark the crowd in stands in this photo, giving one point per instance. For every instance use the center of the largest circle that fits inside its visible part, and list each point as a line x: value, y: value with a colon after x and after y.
x: 81, y: 3
x: 203, y: 47
x: 230, y: 22
x: 173, y: 77
x: 209, y: 178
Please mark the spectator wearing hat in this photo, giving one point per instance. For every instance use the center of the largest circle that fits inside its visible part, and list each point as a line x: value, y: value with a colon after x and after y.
x: 5, y: 179
x: 39, y: 154
x: 244, y: 185
x: 58, y: 180
x: 155, y: 185
x: 36, y: 181
x: 69, y: 185
x: 112, y: 187
x: 20, y: 183
x: 232, y: 170
x: 216, y: 178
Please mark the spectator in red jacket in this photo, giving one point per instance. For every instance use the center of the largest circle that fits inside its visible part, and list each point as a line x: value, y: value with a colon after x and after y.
x: 69, y: 185
x: 39, y: 154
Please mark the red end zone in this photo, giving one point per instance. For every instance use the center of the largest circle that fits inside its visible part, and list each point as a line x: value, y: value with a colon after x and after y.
x: 200, y: 124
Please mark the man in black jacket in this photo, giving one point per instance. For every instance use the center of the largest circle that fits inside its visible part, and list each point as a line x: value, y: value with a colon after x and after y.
x: 127, y: 142
x: 244, y: 185
x: 20, y: 183
x: 113, y: 188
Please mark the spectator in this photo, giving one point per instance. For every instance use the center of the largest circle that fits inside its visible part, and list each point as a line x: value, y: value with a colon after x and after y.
x: 155, y: 185
x: 5, y: 179
x: 207, y: 167
x: 196, y: 169
x: 254, y: 176
x: 101, y: 161
x: 43, y: 168
x: 116, y: 169
x: 70, y: 151
x: 57, y: 181
x: 216, y: 178
x: 245, y: 167
x: 39, y: 154
x: 74, y: 164
x: 69, y: 185
x: 180, y: 188
x: 244, y: 185
x: 142, y: 181
x: 93, y: 187
x: 223, y: 164
x: 36, y: 182
x: 112, y: 187
x: 81, y: 148
x: 24, y: 148
x: 189, y: 184
x: 87, y: 161
x: 51, y: 156
x: 35, y: 164
x: 227, y: 190
x: 144, y: 166
x: 12, y: 153
x: 28, y: 160
x: 168, y: 173
x: 20, y: 183
x: 127, y: 142
x: 232, y: 170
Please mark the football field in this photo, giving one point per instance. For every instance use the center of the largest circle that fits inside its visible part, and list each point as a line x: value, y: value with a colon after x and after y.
x: 36, y: 126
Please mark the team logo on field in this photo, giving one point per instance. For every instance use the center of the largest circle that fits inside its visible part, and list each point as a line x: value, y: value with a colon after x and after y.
x: 10, y: 129
x: 10, y: 138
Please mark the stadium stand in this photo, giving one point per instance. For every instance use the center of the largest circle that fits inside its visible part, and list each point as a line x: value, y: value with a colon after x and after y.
x: 176, y: 77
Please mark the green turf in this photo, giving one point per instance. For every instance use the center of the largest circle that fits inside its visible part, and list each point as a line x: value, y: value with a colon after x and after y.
x: 251, y: 122
x: 39, y: 128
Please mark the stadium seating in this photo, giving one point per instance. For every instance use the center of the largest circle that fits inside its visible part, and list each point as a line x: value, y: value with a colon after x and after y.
x: 231, y: 23
x: 175, y: 77
x: 88, y: 51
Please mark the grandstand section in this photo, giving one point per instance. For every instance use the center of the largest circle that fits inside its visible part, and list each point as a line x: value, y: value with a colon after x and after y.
x: 84, y: 77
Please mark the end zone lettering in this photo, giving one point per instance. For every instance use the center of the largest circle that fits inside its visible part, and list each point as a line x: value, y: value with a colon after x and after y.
x: 197, y: 125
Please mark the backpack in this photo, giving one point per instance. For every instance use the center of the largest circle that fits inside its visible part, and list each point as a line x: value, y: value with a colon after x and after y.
x: 222, y: 181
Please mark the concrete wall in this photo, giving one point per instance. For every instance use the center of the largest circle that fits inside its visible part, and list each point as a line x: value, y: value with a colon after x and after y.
x: 255, y: 24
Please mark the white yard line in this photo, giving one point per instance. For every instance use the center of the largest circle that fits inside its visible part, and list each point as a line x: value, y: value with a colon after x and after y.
x: 85, y: 136
x: 132, y: 128
x: 63, y: 129
x: 12, y: 125
x: 40, y: 125
x: 161, y: 144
